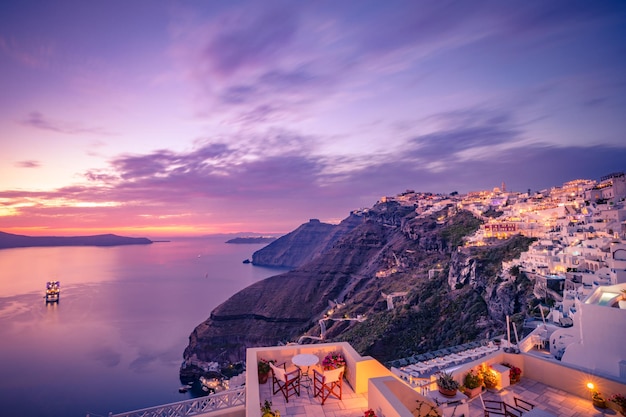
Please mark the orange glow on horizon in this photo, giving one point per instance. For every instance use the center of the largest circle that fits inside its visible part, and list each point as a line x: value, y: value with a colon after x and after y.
x: 160, y: 231
x: 150, y: 232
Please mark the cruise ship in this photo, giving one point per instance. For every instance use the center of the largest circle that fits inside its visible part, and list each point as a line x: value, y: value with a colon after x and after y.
x: 53, y: 291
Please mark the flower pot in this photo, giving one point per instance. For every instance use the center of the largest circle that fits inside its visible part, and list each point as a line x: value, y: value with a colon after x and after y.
x: 447, y: 392
x: 490, y: 385
x: 473, y: 392
x: 599, y: 402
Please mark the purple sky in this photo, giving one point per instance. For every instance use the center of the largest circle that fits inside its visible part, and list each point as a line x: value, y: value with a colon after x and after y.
x: 159, y: 118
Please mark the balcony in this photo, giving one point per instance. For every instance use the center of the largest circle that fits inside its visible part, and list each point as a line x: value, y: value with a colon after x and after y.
x: 354, y: 400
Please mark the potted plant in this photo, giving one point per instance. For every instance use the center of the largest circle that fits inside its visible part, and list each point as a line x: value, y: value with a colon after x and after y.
x: 266, y: 410
x: 490, y: 379
x: 472, y: 383
x: 263, y: 368
x: 620, y: 401
x: 515, y: 373
x: 598, y: 400
x: 333, y: 360
x: 446, y: 384
x: 369, y: 413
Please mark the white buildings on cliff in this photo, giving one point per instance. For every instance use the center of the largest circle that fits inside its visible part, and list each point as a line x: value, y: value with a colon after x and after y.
x: 580, y: 347
x: 611, y: 188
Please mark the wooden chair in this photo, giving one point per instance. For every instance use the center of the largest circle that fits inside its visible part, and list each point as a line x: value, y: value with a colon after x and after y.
x: 492, y: 408
x: 327, y: 383
x: 286, y: 382
x: 499, y: 408
x: 512, y: 411
x: 514, y: 406
x: 523, y: 404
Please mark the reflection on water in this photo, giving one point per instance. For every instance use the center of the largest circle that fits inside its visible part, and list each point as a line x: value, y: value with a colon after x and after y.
x: 9, y: 308
x: 115, y: 339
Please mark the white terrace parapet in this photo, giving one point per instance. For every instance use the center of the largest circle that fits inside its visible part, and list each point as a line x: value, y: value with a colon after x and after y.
x: 392, y: 398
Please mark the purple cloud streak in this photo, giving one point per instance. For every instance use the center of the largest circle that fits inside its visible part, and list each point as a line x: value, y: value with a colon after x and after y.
x: 28, y: 164
x: 39, y: 121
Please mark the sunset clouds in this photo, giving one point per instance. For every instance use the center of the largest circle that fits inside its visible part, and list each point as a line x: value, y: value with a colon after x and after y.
x: 191, y: 118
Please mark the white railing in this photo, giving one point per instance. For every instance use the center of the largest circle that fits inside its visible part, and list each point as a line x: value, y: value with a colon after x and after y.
x: 195, y: 406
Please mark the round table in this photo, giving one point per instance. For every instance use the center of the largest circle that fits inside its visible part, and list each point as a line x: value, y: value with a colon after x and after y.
x: 305, y: 359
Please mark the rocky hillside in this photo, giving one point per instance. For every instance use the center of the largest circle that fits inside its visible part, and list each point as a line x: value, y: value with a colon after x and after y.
x: 303, y: 244
x: 447, y: 295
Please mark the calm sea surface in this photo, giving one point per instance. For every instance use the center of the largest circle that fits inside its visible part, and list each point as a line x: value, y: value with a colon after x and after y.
x: 115, y: 340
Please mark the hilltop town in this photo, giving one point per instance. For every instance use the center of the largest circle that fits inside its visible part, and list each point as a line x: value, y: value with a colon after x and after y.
x: 579, y: 227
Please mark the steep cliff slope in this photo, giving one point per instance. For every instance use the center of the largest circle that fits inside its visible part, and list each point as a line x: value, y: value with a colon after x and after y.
x: 387, y: 249
x: 304, y: 244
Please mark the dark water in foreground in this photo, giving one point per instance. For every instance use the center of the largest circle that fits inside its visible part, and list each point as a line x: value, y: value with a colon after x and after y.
x: 115, y: 340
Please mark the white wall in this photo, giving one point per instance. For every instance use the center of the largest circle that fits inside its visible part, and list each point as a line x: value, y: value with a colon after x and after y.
x: 603, y: 336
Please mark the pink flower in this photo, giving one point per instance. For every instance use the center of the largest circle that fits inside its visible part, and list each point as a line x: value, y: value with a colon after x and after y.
x: 618, y: 399
x: 333, y: 361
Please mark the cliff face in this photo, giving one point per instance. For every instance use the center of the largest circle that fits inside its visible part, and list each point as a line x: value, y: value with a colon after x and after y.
x: 446, y: 296
x: 303, y: 244
x: 479, y: 268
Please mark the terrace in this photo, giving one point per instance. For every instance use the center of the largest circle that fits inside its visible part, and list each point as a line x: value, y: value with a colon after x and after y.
x: 368, y: 384
x: 551, y: 386
x: 354, y: 400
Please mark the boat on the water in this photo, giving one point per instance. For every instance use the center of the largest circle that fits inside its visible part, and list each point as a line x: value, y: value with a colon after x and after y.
x: 53, y: 291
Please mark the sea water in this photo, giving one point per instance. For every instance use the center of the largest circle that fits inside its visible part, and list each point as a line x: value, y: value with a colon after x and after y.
x: 114, y: 342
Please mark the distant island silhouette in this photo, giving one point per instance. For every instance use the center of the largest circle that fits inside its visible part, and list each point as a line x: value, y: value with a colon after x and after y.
x: 9, y: 240
x: 252, y: 239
